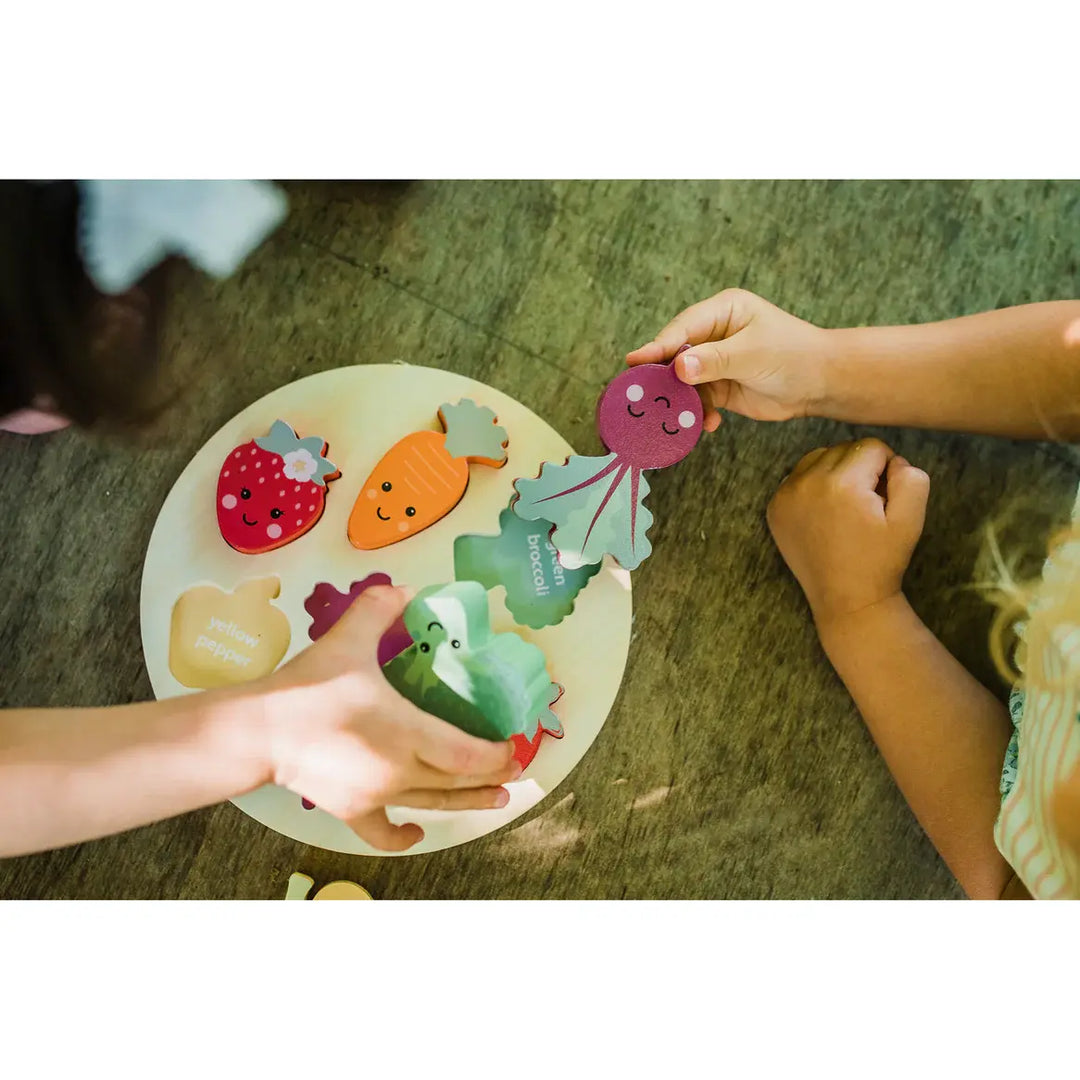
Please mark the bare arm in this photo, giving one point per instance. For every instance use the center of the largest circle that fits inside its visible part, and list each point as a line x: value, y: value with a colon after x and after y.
x: 327, y: 725
x: 68, y: 775
x: 1013, y: 372
x: 846, y: 521
x: 942, y: 733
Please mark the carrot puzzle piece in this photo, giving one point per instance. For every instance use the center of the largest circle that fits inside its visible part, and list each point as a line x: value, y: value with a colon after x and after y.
x: 540, y: 591
x: 273, y: 489
x: 649, y: 419
x: 494, y: 686
x: 423, y: 476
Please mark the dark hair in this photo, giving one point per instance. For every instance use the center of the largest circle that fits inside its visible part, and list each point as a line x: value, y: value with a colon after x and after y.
x: 93, y: 355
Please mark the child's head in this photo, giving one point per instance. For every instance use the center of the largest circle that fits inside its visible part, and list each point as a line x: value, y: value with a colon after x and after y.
x: 63, y: 345
x: 1045, y: 610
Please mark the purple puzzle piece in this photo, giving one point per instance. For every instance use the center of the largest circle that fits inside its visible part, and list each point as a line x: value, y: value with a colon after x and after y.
x: 326, y: 605
x: 648, y: 419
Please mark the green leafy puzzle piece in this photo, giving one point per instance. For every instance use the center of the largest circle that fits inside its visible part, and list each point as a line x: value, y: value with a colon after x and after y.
x: 490, y: 685
x: 540, y: 591
x: 472, y: 432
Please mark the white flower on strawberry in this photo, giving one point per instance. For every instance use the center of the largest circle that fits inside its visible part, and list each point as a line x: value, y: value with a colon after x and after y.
x: 299, y: 465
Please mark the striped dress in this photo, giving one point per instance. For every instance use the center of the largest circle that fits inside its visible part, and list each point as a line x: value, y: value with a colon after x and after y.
x: 1045, y: 748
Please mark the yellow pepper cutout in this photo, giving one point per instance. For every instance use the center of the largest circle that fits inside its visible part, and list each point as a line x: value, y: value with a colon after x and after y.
x: 220, y: 639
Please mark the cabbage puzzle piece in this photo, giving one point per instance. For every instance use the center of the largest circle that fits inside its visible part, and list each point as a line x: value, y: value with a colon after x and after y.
x: 423, y: 476
x: 540, y: 589
x: 490, y: 685
x: 219, y: 638
x: 648, y: 419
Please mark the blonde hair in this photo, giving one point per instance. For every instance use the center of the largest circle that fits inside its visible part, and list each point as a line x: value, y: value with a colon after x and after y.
x: 1029, y: 606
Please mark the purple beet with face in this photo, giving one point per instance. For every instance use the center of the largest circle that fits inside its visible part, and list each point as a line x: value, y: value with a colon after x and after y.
x: 648, y: 417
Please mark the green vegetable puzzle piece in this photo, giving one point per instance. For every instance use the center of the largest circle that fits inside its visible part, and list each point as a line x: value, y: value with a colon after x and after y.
x: 547, y: 721
x: 540, y: 591
x: 491, y: 685
x: 472, y: 432
x: 598, y: 507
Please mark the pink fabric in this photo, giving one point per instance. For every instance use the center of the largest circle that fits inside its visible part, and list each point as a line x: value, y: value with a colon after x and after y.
x: 33, y: 422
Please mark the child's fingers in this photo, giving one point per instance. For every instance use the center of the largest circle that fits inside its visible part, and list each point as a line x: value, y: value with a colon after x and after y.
x: 808, y: 461
x: 369, y: 616
x: 653, y: 353
x: 907, y: 490
x: 375, y: 828
x: 864, y: 461
x: 705, y: 320
x: 424, y: 776
x: 484, y: 798
x: 449, y: 750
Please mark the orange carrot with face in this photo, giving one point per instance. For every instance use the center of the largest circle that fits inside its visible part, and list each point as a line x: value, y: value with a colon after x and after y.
x: 422, y: 477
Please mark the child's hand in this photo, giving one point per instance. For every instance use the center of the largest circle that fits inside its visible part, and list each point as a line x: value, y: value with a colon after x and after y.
x: 846, y: 522
x: 341, y: 736
x: 747, y: 356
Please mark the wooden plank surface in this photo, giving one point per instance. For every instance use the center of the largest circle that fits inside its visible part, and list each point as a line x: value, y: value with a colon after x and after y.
x: 733, y: 764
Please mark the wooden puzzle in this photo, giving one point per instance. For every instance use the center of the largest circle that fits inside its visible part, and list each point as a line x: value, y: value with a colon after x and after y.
x: 198, y: 634
x: 540, y: 591
x: 423, y: 476
x: 272, y: 490
x: 648, y: 419
x: 490, y: 685
x: 220, y: 638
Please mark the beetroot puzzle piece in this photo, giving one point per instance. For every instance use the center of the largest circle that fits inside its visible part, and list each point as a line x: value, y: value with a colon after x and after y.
x: 326, y: 605
x: 648, y: 419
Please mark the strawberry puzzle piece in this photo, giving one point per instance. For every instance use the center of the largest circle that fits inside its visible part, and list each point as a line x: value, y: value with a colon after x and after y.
x: 272, y: 490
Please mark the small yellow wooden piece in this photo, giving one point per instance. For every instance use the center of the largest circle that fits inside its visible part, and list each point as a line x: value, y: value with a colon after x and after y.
x: 342, y: 890
x: 300, y: 885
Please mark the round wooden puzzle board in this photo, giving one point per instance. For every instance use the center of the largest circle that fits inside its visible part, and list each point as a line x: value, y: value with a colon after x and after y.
x: 361, y: 411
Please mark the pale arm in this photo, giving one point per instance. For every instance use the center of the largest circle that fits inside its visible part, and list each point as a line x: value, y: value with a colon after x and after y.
x: 68, y: 775
x: 327, y: 726
x: 1013, y: 372
x: 942, y: 734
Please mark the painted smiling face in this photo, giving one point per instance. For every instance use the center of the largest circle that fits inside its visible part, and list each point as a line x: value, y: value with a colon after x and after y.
x: 412, y: 487
x: 272, y: 490
x: 648, y: 417
x: 423, y: 476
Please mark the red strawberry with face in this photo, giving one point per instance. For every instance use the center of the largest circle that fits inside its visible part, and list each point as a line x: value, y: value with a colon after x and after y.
x: 272, y: 490
x: 526, y: 747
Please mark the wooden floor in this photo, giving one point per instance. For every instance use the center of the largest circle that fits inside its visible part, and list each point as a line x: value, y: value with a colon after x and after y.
x: 733, y: 764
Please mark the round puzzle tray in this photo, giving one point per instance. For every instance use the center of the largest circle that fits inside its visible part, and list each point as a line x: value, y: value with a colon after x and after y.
x: 361, y: 411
